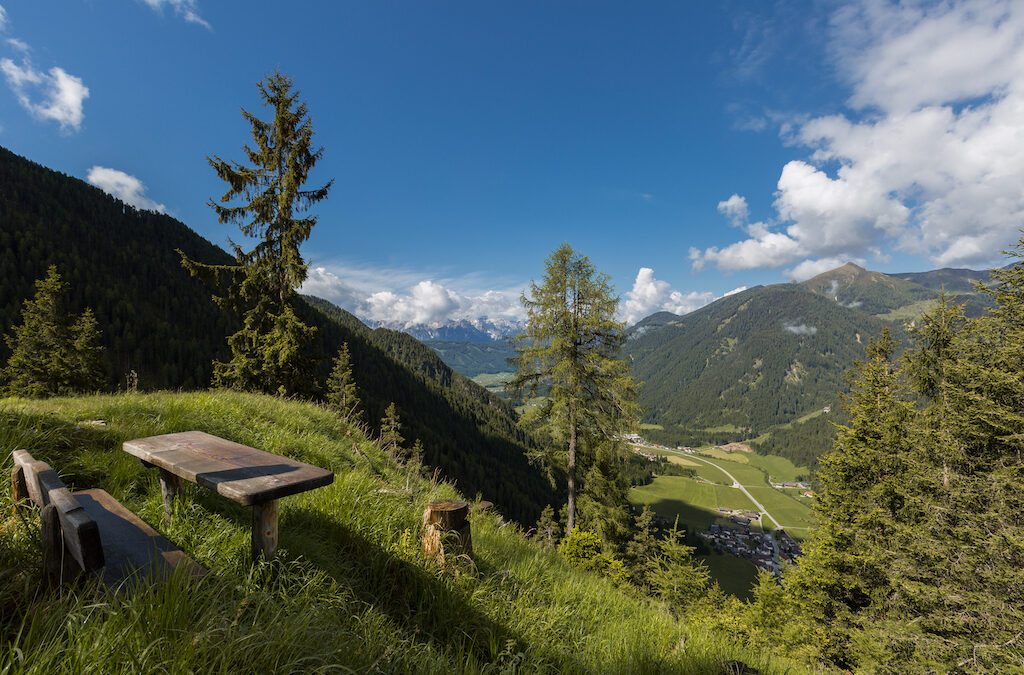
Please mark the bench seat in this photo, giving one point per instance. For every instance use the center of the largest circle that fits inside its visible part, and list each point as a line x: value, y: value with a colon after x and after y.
x: 89, y: 532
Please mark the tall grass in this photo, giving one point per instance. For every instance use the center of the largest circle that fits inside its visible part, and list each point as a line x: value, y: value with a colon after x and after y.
x: 349, y: 590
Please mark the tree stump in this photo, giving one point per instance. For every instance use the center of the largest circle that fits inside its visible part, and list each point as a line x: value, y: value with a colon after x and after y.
x: 446, y: 533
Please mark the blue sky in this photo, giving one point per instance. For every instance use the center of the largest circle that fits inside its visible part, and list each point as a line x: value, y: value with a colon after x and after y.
x: 687, y: 148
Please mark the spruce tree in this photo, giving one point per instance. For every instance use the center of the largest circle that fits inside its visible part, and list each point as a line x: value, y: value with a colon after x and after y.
x: 271, y: 352
x: 861, y: 501
x: 571, y: 348
x: 341, y: 386
x: 52, y: 353
x: 548, y: 532
x: 391, y: 433
x: 642, y: 551
x: 675, y: 576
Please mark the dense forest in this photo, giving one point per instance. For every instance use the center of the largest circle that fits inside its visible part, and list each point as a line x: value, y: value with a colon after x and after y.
x: 748, y: 362
x: 158, y: 321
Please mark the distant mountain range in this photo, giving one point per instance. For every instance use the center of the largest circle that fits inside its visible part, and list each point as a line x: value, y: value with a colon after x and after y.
x: 763, y: 363
x: 459, y: 330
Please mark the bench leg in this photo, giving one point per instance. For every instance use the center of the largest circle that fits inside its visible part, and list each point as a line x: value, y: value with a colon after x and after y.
x: 59, y: 566
x: 19, y: 486
x: 170, y: 486
x: 264, y: 530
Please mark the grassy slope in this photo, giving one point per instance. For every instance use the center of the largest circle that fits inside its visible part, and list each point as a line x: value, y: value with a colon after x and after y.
x: 348, y: 591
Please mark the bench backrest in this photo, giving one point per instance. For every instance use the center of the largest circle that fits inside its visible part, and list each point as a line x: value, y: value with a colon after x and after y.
x: 44, y: 487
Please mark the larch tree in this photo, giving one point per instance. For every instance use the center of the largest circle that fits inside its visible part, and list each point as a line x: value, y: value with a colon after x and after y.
x: 570, y: 351
x: 52, y: 352
x: 272, y: 351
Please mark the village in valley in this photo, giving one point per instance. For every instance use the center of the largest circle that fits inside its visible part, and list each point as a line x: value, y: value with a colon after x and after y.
x: 767, y: 549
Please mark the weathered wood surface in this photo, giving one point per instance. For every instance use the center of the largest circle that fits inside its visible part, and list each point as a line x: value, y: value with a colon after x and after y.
x: 264, y: 530
x: 170, y: 486
x: 80, y: 531
x: 19, y: 487
x: 446, y: 531
x: 132, y: 548
x: 71, y: 526
x: 238, y: 472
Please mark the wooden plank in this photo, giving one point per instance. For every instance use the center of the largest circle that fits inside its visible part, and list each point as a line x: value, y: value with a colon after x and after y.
x: 35, y: 491
x: 81, y: 533
x: 47, y: 480
x: 264, y: 530
x: 49, y: 522
x: 238, y: 472
x: 131, y: 548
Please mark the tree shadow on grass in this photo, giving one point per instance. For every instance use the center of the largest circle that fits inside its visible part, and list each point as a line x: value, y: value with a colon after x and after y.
x: 421, y: 604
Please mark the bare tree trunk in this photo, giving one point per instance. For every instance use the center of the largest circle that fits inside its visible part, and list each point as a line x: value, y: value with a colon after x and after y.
x: 571, y: 521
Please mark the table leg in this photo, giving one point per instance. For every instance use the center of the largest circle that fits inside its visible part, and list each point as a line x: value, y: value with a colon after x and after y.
x: 170, y: 486
x: 264, y: 530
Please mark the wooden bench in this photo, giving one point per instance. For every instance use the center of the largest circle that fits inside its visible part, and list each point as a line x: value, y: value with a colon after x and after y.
x: 246, y: 475
x: 90, y: 533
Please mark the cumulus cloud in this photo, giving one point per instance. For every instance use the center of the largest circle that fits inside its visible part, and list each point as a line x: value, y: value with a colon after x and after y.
x: 186, y: 9
x: 55, y: 95
x: 650, y: 295
x: 800, y: 329
x: 735, y: 209
x: 929, y: 161
x: 125, y: 187
x: 406, y: 299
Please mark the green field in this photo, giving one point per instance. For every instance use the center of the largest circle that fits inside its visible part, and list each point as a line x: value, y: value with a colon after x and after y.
x: 694, y: 503
x: 790, y: 511
x: 744, y: 473
x: 779, y: 468
x: 653, y: 427
x: 492, y: 380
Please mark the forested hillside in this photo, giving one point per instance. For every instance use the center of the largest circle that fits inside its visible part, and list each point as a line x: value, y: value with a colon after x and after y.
x: 750, y: 361
x: 160, y: 322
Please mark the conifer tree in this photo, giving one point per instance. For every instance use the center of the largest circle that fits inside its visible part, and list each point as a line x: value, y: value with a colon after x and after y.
x: 571, y: 346
x: 676, y: 577
x: 391, y: 433
x: 51, y: 352
x: 861, y: 500
x: 642, y: 551
x: 548, y: 531
x: 271, y: 352
x: 341, y: 386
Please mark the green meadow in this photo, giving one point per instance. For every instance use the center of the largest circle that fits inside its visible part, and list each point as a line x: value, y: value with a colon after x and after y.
x: 349, y: 590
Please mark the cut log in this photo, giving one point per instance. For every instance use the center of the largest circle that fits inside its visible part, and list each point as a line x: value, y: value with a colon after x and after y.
x: 446, y: 532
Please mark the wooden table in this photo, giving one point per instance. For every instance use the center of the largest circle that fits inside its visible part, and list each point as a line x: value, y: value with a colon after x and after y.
x: 246, y: 475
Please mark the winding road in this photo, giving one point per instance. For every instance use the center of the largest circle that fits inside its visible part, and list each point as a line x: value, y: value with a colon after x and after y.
x: 735, y: 484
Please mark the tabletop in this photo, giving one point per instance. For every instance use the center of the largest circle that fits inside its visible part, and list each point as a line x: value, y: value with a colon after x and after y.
x: 238, y: 472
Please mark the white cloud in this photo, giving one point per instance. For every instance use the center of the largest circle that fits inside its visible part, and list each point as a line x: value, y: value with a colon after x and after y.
x: 125, y: 187
x: 735, y: 209
x: 403, y: 297
x: 734, y: 291
x: 812, y: 268
x: 19, y: 45
x: 801, y: 329
x: 58, y: 95
x: 932, y: 160
x: 650, y: 295
x: 3, y: 19
x: 186, y: 9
